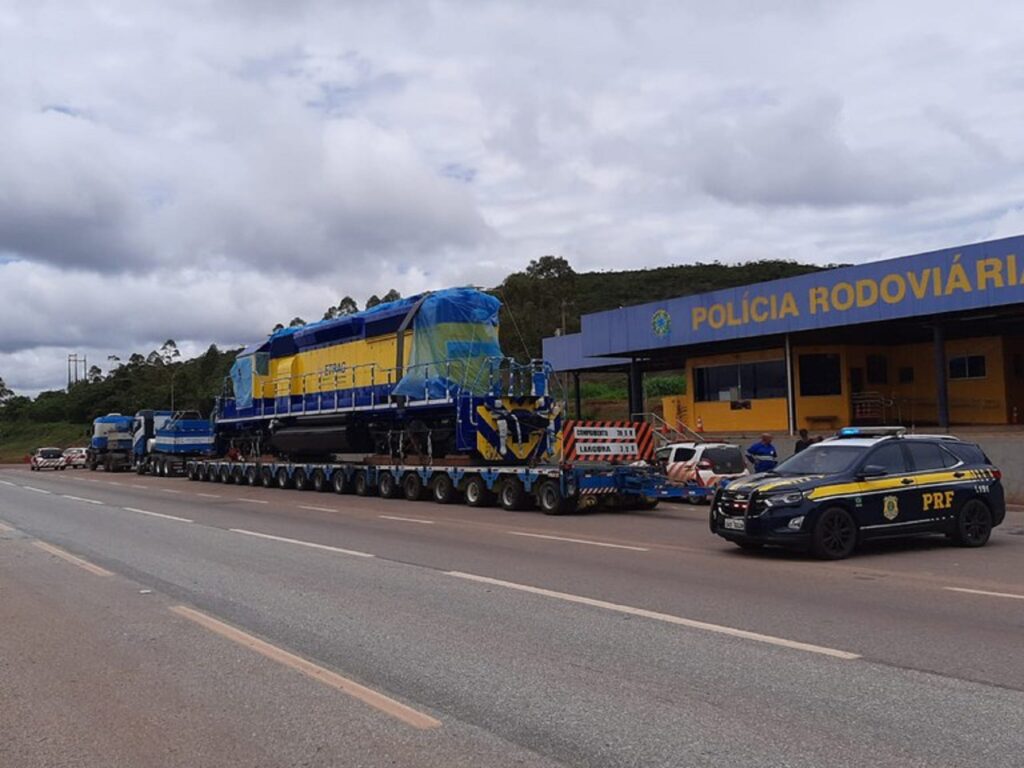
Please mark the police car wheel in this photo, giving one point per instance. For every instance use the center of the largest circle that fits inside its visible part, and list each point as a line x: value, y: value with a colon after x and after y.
x: 835, y: 535
x: 973, y: 524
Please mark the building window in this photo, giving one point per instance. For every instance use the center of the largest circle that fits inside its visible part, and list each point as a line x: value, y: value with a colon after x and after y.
x: 820, y: 375
x: 907, y: 375
x: 967, y: 367
x: 878, y: 369
x: 740, y: 381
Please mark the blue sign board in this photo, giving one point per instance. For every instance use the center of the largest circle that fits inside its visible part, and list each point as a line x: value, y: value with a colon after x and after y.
x: 952, y: 280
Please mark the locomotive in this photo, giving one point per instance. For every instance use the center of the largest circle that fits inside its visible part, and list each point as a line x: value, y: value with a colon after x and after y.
x: 418, y: 378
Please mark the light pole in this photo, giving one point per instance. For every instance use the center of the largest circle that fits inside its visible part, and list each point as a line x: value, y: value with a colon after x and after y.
x: 174, y: 372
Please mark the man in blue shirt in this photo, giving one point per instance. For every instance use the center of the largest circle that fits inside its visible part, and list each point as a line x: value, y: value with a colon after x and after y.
x: 763, y: 455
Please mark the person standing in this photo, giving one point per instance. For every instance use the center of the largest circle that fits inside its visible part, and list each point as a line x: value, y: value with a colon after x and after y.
x: 762, y: 454
x: 803, y: 442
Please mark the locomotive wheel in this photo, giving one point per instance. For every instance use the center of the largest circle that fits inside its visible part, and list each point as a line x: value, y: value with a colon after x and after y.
x: 443, y: 489
x: 511, y: 495
x: 387, y: 486
x: 477, y: 493
x: 412, y: 486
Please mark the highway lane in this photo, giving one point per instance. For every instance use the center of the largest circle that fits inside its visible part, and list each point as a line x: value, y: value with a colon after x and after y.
x: 570, y: 682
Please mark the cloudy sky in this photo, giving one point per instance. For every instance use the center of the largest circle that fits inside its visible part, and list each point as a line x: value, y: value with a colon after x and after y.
x: 202, y: 170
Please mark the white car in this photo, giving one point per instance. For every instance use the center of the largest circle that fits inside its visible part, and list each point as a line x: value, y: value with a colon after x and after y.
x: 75, y: 458
x: 47, y: 458
x: 706, y: 464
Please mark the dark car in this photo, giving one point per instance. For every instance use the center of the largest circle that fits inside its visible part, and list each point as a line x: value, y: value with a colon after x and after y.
x: 865, y: 483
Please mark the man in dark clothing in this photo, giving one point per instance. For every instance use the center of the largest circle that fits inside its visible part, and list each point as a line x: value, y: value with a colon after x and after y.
x: 803, y: 442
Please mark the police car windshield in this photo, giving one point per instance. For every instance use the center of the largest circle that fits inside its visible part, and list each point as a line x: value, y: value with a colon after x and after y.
x: 824, y: 459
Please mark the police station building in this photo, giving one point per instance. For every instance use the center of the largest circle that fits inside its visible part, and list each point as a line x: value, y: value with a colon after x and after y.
x: 931, y: 339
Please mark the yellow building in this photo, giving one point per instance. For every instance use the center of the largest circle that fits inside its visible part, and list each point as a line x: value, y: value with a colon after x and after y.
x: 932, y: 339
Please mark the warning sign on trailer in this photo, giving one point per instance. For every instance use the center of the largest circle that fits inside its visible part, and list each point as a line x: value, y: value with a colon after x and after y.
x: 607, y: 441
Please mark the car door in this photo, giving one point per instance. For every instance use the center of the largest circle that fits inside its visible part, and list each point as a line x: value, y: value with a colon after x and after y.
x: 885, y: 501
x: 938, y: 492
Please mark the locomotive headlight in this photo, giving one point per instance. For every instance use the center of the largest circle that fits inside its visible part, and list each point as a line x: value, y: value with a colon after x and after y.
x: 787, y: 499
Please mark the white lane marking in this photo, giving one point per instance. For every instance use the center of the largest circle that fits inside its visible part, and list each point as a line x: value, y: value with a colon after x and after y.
x: 254, y: 501
x: 93, y: 480
x: 79, y: 498
x: 302, y: 543
x: 375, y: 699
x: 143, y: 487
x: 158, y: 514
x: 406, y: 519
x: 664, y: 617
x: 578, y: 541
x: 317, y: 509
x: 6, y: 482
x: 35, y: 490
x: 113, y: 482
x: 209, y: 495
x: 67, y: 556
x: 4, y: 528
x: 984, y: 592
x: 169, y: 490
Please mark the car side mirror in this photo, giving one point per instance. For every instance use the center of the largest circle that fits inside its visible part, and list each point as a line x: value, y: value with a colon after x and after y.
x: 872, y: 470
x: 705, y: 464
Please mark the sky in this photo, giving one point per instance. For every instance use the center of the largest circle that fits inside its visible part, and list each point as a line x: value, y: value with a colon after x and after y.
x: 203, y: 170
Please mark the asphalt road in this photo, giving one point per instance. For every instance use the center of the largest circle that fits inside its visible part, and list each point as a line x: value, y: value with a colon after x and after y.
x: 149, y: 621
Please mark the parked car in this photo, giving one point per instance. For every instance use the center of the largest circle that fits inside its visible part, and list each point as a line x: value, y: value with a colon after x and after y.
x: 706, y: 464
x: 47, y: 458
x: 75, y: 458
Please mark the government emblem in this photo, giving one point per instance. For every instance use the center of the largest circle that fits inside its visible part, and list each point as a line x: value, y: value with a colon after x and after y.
x: 661, y: 323
x: 890, y: 507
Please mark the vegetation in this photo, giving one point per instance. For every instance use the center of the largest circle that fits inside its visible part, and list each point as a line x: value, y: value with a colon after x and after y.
x: 546, y: 297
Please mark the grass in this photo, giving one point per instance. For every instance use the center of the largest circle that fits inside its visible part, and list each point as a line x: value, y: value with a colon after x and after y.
x: 19, y: 438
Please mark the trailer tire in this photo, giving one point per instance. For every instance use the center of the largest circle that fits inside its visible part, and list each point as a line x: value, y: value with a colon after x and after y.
x: 443, y: 489
x: 512, y: 495
x: 339, y: 482
x: 551, y: 500
x: 140, y: 468
x: 361, y: 484
x: 412, y: 486
x: 266, y: 477
x: 212, y: 472
x: 283, y: 481
x: 238, y: 475
x: 300, y: 480
x: 319, y: 481
x: 477, y: 492
x: 387, y: 486
x: 226, y: 475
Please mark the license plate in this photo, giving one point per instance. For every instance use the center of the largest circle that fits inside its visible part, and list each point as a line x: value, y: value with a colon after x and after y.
x: 735, y: 523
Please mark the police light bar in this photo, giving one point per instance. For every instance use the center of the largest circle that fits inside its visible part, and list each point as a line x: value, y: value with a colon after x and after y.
x: 872, y: 432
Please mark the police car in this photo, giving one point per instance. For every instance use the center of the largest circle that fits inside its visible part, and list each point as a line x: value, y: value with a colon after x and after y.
x: 865, y: 483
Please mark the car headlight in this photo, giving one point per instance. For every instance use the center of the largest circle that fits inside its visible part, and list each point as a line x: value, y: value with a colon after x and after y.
x: 787, y: 499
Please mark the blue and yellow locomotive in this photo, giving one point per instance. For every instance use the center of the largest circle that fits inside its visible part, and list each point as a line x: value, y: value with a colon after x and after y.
x: 422, y: 377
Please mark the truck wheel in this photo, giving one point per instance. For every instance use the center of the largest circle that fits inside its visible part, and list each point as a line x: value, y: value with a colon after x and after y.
x: 835, y: 535
x: 387, y: 486
x: 412, y: 486
x: 339, y: 482
x: 92, y: 466
x: 443, y: 489
x: 266, y: 477
x: 477, y: 493
x: 237, y: 475
x: 319, y: 481
x: 300, y: 480
x: 360, y: 484
x: 140, y: 468
x: 511, y: 495
x: 973, y: 524
x: 212, y: 472
x: 226, y: 476
x: 283, y: 481
x: 551, y: 501
x: 251, y: 476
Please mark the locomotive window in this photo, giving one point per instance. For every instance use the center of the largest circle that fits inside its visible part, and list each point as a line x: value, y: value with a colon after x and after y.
x: 262, y: 363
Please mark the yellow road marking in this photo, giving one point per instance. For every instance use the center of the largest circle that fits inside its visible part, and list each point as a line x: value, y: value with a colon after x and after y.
x: 95, y: 570
x: 985, y: 592
x: 373, y: 698
x: 578, y: 541
x: 664, y: 617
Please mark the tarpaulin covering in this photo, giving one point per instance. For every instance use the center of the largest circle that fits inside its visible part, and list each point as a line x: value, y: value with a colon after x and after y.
x: 455, y: 336
x: 241, y: 381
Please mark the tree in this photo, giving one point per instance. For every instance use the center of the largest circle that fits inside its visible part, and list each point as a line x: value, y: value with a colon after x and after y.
x: 346, y: 306
x: 277, y: 328
x: 95, y: 374
x: 373, y: 301
x: 296, y: 322
x: 538, y: 301
x: 136, y: 360
x: 6, y: 393
x: 169, y: 352
x: 391, y: 295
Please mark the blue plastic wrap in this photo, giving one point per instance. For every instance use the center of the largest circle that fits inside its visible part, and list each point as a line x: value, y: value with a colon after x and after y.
x: 241, y: 381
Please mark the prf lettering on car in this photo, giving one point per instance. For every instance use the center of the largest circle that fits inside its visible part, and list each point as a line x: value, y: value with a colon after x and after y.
x: 938, y: 500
